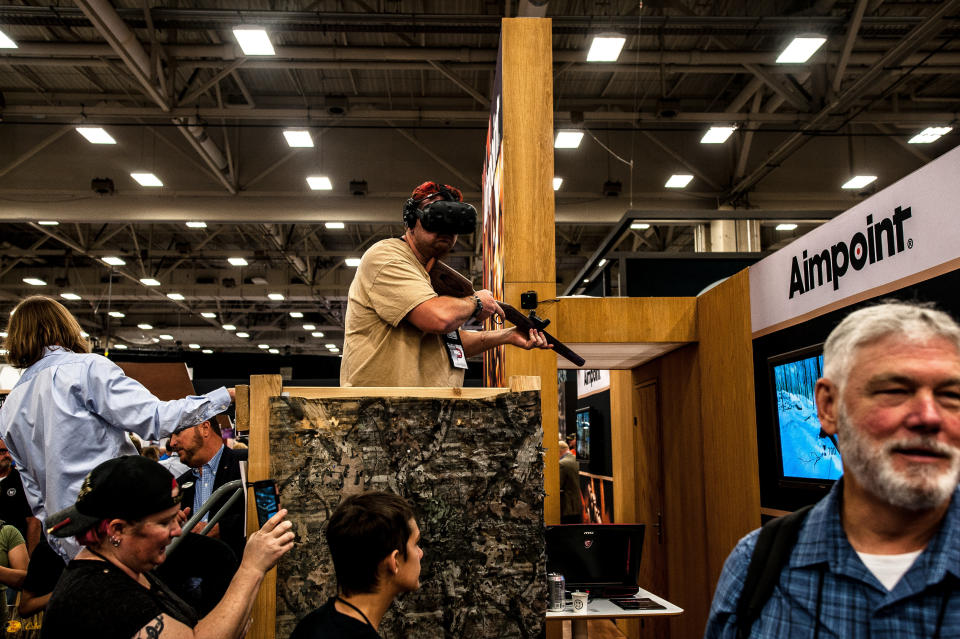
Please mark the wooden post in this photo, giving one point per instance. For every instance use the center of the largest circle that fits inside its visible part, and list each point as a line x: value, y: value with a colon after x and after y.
x: 242, y: 403
x: 262, y: 388
x: 528, y: 214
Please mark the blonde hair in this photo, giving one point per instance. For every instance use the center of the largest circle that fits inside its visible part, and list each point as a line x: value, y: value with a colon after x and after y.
x: 38, y: 322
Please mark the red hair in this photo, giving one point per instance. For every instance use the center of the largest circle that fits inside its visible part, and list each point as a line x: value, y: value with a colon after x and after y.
x: 94, y: 535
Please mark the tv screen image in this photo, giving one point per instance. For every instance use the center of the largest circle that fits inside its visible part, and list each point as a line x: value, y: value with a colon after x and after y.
x: 804, y: 454
x: 583, y: 434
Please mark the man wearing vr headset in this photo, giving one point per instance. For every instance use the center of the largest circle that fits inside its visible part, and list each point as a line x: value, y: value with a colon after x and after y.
x: 399, y: 331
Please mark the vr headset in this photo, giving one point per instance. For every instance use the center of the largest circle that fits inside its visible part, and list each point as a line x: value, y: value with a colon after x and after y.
x: 455, y: 218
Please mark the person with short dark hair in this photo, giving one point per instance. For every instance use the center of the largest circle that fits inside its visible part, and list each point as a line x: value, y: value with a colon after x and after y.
x: 210, y: 466
x: 374, y: 542
x: 398, y: 331
x: 124, y: 517
x: 571, y: 501
x: 72, y: 409
x: 879, y: 556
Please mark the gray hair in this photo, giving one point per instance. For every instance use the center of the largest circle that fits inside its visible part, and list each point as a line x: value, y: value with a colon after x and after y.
x: 915, y: 322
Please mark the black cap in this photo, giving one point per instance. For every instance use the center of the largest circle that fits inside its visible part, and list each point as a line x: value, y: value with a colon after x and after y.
x: 128, y: 488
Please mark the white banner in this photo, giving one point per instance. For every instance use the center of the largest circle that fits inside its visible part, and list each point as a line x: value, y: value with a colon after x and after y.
x: 590, y: 382
x: 910, y: 227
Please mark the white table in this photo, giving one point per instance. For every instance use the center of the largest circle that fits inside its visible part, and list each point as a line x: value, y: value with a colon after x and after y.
x: 600, y: 608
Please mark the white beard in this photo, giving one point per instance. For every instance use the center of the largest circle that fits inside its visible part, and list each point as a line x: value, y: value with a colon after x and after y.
x: 918, y: 487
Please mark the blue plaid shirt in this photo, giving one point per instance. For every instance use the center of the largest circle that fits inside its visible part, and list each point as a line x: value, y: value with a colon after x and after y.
x: 203, y: 484
x: 854, y: 603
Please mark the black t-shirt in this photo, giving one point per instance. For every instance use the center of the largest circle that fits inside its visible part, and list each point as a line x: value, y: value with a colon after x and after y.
x: 97, y: 599
x: 326, y: 622
x: 14, y: 508
x: 44, y: 569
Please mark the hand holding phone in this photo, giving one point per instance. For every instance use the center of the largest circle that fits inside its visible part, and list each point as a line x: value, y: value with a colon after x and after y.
x: 267, y: 499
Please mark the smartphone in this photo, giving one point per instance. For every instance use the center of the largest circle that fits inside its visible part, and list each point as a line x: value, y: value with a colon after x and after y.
x: 267, y: 499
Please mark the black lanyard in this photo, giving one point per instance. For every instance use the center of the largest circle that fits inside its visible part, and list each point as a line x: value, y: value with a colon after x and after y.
x: 347, y: 603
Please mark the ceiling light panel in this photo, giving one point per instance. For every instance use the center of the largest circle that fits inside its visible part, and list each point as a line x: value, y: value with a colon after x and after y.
x: 48, y: 223
x: 73, y: 297
x: 146, y: 179
x: 352, y: 262
x: 114, y: 261
x: 568, y: 139
x: 334, y: 225
x: 557, y: 181
x: 930, y: 134
x: 298, y: 138
x: 605, y: 48
x: 6, y: 42
x: 116, y: 314
x: 177, y: 297
x: 34, y: 281
x: 859, y: 181
x: 196, y: 225
x: 786, y: 226
x: 678, y: 181
x: 800, y: 49
x: 237, y: 261
x: 319, y: 183
x: 253, y: 41
x: 717, y: 134
x: 96, y: 135
x: 149, y: 281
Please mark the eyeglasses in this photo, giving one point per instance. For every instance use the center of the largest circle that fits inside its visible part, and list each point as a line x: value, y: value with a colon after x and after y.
x: 3, y: 451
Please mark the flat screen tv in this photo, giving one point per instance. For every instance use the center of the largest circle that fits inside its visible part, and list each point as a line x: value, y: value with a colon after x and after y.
x: 596, y: 556
x: 808, y: 457
x: 583, y: 434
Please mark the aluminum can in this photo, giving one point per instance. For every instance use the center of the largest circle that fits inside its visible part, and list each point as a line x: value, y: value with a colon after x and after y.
x: 556, y: 587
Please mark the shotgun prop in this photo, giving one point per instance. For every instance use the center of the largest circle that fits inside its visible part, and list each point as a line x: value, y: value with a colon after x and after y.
x: 447, y: 281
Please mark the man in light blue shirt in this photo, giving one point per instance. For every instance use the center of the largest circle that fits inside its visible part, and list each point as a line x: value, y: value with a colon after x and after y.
x: 72, y: 410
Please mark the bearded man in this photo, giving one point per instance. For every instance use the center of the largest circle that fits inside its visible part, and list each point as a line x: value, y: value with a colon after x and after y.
x: 879, y: 556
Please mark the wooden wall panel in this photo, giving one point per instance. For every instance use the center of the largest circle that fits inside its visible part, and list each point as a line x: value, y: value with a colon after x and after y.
x: 626, y: 319
x: 623, y: 451
x: 728, y: 414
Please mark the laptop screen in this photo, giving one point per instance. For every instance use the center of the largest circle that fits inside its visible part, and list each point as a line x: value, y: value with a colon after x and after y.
x: 597, y: 555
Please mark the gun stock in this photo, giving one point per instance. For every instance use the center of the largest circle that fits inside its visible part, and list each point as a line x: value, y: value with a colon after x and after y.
x: 447, y: 281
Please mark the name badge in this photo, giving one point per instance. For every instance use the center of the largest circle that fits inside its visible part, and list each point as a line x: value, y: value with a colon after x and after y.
x: 458, y: 359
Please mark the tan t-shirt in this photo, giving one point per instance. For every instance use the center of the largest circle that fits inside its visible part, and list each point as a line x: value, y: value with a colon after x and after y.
x: 380, y: 347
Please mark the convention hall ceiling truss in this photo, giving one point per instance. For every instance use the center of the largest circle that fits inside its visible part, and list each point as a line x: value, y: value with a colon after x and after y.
x: 394, y: 92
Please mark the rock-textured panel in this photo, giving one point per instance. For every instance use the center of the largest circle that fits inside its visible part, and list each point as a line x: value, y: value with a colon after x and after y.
x: 473, y: 471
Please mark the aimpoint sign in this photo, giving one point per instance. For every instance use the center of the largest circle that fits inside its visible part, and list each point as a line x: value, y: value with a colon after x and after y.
x: 904, y: 234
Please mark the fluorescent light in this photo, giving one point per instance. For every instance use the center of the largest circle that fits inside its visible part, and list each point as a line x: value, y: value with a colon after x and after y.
x: 274, y: 351
x: 334, y: 350
x: 859, y: 181
x: 586, y: 280
x: 800, y: 50
x: 196, y: 225
x: 146, y: 179
x: 263, y: 346
x: 329, y: 345
x: 276, y: 297
x: 717, y: 134
x: 296, y: 314
x: 48, y: 222
x: 175, y: 296
x: 253, y: 41
x: 237, y: 261
x: 3, y: 333
x: 568, y: 139
x: 207, y: 351
x: 309, y: 327
x: 6, y: 42
x: 149, y: 281
x: 144, y: 327
x: 242, y: 334
x: 34, y: 281
x: 678, y: 181
x: 786, y: 227
x: 317, y: 334
x: 334, y: 225
x: 194, y: 346
x: 639, y: 226
x: 208, y: 315
x: 96, y: 135
x: 930, y: 134
x: 114, y: 261
x: 602, y: 263
x: 298, y: 138
x: 116, y: 314
x: 154, y: 339
x: 319, y: 183
x: 120, y: 347
x: 229, y: 327
x: 352, y: 261
x: 605, y: 48
x: 73, y: 297
x: 557, y: 181
x: 166, y: 337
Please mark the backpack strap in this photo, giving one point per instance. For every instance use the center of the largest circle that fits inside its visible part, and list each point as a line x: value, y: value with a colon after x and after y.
x: 774, y: 545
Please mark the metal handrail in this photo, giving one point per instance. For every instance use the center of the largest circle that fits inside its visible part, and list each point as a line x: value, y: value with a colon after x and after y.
x: 207, y: 505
